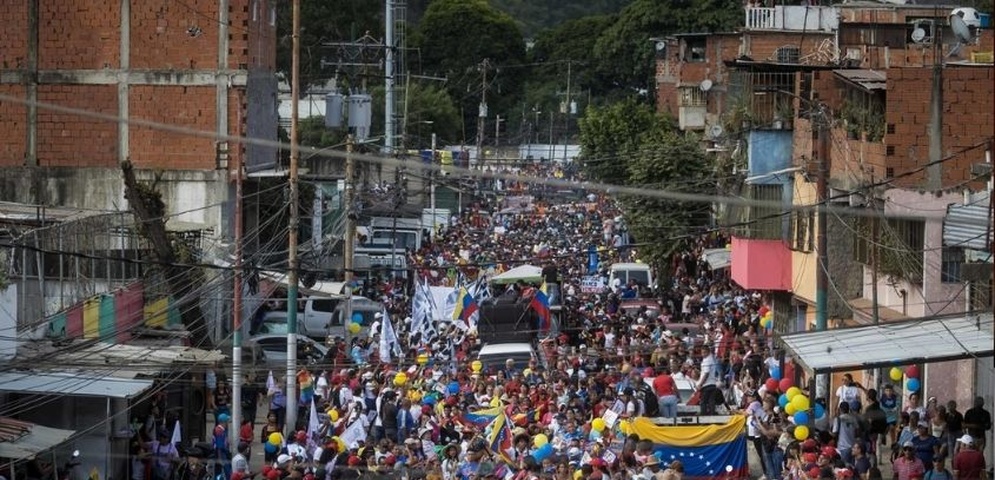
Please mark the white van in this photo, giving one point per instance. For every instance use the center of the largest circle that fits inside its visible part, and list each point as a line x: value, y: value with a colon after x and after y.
x: 640, y: 272
x: 323, y: 317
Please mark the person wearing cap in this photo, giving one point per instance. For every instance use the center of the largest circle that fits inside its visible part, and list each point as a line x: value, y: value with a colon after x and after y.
x: 651, y: 469
x: 222, y: 446
x: 908, y: 465
x: 968, y: 462
x: 164, y: 455
x: 926, y: 445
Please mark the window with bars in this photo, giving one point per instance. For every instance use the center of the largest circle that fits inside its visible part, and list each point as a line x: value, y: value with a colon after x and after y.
x: 953, y: 258
x: 803, y: 228
x: 899, y: 247
x: 763, y: 221
x: 692, y: 97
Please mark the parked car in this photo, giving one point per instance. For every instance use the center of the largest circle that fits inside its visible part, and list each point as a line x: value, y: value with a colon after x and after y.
x: 633, y: 306
x: 273, y: 349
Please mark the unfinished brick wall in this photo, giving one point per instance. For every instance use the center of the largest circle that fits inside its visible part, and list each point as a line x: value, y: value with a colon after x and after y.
x: 77, y: 34
x: 189, y: 107
x: 172, y: 35
x: 13, y: 135
x: 14, y: 41
x: 967, y: 120
x: 69, y: 140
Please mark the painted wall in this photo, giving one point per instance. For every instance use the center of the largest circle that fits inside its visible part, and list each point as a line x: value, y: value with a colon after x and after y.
x: 761, y: 264
x: 804, y: 265
x: 769, y: 151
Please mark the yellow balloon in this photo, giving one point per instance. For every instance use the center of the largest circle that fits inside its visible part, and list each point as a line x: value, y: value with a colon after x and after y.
x: 801, y: 403
x: 790, y: 408
x: 792, y: 392
x: 624, y: 427
x: 477, y: 366
x: 578, y: 474
x: 598, y: 424
x: 275, y: 439
x: 339, y: 443
x: 333, y: 414
x: 422, y: 358
x: 400, y: 379
x: 354, y: 328
x: 801, y: 432
x: 896, y: 374
x: 540, y: 440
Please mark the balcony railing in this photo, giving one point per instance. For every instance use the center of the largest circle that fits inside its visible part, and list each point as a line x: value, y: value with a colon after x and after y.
x: 793, y: 18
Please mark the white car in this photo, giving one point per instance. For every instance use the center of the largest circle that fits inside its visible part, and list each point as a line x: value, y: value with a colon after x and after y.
x: 685, y: 387
x: 495, y: 355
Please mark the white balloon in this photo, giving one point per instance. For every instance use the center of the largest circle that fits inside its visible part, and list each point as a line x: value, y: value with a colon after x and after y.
x: 729, y: 468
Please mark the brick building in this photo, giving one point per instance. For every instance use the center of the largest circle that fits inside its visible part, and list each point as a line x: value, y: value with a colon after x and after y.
x: 203, y: 65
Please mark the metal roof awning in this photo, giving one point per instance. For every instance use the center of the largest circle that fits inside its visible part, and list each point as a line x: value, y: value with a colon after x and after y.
x: 20, y: 440
x: 900, y: 343
x: 84, y: 384
x: 718, y: 258
x: 967, y: 226
x: 864, y: 78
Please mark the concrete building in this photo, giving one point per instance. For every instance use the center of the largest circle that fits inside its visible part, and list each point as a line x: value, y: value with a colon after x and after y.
x: 869, y: 67
x: 206, y: 66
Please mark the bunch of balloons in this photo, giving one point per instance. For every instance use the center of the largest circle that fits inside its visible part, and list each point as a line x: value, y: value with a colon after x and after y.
x: 912, y: 384
x: 273, y: 443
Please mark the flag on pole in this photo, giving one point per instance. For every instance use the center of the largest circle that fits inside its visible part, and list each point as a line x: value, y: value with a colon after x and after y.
x: 388, y: 339
x: 177, y: 437
x: 312, y: 427
x: 499, y: 439
x: 540, y: 303
x: 270, y: 384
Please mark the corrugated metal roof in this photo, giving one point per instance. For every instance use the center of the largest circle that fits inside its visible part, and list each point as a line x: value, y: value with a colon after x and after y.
x: 967, y: 226
x: 891, y: 344
x: 718, y: 258
x: 869, y: 79
x: 27, y: 439
x: 86, y: 384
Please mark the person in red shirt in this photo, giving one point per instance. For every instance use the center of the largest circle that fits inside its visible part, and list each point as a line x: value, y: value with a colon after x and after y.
x: 908, y: 465
x: 969, y: 463
x: 666, y: 390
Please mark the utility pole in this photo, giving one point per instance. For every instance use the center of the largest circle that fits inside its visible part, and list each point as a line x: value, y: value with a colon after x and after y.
x: 431, y: 187
x: 482, y: 111
x: 497, y: 130
x: 566, y: 116
x: 934, y: 172
x: 822, y: 244
x: 388, y: 73
x: 349, y: 246
x: 295, y: 90
x: 236, y: 350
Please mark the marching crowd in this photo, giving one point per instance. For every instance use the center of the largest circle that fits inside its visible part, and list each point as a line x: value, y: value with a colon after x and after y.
x: 434, y: 412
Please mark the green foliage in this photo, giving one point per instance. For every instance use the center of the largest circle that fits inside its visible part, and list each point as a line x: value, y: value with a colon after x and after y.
x: 427, y: 102
x: 611, y: 135
x: 624, y: 52
x: 323, y: 21
x: 572, y: 42
x: 626, y: 143
x: 455, y: 36
x: 535, y: 16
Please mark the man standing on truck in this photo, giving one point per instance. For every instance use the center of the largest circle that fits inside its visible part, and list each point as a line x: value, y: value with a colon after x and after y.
x: 708, y: 382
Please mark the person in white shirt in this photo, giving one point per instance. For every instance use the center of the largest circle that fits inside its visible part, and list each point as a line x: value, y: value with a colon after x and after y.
x: 849, y: 393
x: 240, y: 462
x: 708, y: 383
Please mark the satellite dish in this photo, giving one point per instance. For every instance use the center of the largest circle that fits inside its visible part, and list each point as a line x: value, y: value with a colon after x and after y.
x: 960, y: 29
x: 705, y: 85
x: 715, y: 131
x: 918, y: 35
x: 970, y: 16
x: 661, y: 46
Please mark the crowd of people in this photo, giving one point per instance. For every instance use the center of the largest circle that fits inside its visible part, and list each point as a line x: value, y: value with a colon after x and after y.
x: 433, y: 412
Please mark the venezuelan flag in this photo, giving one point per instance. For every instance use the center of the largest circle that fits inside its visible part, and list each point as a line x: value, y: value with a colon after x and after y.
x: 540, y: 303
x: 707, y: 451
x: 482, y: 418
x: 465, y: 307
x: 499, y: 437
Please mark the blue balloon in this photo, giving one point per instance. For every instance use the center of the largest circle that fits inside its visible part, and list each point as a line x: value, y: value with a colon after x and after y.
x: 453, y: 388
x: 357, y: 318
x: 801, y: 418
x: 543, y: 452
x: 912, y: 385
x: 820, y: 411
x: 595, y: 434
x: 782, y: 400
x: 775, y: 373
x: 429, y: 400
x: 269, y: 447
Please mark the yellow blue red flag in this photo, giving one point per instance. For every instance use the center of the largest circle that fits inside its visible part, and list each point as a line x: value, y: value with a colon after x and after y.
x: 707, y: 451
